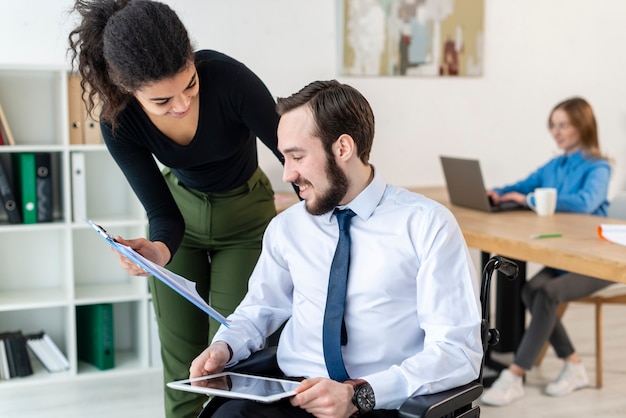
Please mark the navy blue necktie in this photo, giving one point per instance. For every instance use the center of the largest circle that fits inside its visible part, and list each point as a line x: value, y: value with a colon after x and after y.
x: 334, y: 331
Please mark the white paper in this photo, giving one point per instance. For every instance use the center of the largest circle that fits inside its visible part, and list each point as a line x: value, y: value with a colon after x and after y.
x: 186, y: 288
x: 613, y: 232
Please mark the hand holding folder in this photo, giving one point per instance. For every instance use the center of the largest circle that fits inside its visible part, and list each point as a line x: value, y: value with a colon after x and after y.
x: 186, y: 288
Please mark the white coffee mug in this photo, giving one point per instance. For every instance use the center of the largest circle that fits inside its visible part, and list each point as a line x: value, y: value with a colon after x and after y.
x: 544, y: 200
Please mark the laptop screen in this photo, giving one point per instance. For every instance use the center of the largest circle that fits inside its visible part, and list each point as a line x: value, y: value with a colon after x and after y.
x: 465, y: 184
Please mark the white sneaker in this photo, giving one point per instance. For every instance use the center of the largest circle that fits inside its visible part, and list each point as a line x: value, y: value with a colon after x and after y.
x: 572, y: 377
x: 506, y: 388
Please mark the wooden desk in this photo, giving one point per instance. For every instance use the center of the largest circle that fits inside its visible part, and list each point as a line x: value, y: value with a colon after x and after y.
x: 579, y: 250
x: 508, y: 234
x: 283, y: 200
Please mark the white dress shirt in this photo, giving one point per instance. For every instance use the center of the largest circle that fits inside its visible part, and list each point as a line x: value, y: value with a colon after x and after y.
x: 412, y: 308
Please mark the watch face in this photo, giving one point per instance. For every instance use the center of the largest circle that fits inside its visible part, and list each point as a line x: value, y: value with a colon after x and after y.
x: 365, y: 399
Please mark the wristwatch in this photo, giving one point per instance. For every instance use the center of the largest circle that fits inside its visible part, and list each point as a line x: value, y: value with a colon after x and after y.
x: 363, y: 398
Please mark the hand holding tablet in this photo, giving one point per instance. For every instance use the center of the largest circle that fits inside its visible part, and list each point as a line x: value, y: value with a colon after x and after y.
x: 239, y: 386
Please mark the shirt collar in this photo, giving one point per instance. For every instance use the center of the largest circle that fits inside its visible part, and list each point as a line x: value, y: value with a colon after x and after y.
x: 366, y: 201
x: 573, y: 157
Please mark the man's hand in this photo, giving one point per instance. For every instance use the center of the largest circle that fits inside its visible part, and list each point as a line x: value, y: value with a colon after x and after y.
x: 325, y: 398
x: 210, y: 361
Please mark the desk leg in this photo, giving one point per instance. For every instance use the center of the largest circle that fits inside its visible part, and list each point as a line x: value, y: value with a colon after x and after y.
x: 510, y: 316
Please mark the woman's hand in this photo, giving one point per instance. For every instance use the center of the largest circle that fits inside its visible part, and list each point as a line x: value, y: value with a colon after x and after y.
x: 493, y: 196
x: 157, y: 252
x: 516, y: 197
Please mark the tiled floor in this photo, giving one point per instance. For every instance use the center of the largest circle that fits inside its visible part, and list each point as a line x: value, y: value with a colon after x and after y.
x: 139, y: 396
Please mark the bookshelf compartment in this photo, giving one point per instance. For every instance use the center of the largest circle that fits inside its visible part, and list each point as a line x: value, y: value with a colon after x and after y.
x: 103, y: 193
x: 33, y: 259
x: 131, y: 334
x: 54, y: 321
x: 98, y: 275
x: 56, y: 182
x: 33, y: 104
x: 130, y: 338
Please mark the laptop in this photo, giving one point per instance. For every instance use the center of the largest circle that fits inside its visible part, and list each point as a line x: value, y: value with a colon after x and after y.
x: 466, y: 188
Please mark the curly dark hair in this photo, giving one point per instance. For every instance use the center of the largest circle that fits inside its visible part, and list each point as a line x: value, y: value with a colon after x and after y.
x: 122, y: 45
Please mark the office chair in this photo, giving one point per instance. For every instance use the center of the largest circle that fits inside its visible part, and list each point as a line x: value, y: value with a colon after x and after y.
x: 453, y: 403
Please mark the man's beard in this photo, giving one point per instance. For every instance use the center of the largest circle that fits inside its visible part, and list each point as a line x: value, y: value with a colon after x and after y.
x: 337, y: 189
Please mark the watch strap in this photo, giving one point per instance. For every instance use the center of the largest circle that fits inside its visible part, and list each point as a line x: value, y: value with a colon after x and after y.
x: 356, y: 384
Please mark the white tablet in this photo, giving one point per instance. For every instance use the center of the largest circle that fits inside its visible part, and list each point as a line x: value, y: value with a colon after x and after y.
x: 240, y: 386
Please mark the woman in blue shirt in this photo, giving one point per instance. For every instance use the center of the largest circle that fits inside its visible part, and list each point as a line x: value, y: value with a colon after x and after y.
x: 581, y: 176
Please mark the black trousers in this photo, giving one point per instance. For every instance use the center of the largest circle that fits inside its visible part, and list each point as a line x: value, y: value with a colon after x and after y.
x: 283, y: 409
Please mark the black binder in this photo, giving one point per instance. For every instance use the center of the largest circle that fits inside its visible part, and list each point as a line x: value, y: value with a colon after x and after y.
x: 44, y: 186
x: 17, y: 355
x: 7, y: 197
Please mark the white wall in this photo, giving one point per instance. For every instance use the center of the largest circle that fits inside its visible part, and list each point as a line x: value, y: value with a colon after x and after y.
x: 537, y: 52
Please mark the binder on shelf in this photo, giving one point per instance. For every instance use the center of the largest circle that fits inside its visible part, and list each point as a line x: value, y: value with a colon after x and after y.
x: 4, y: 362
x: 48, y: 353
x: 5, y: 131
x: 76, y: 112
x: 7, y: 197
x: 94, y: 330
x: 9, y: 353
x: 79, y: 187
x: 91, y: 128
x: 44, y: 186
x: 24, y: 177
x: 39, y: 350
x: 56, y: 351
x: 24, y: 367
x: 17, y: 355
x: 83, y: 128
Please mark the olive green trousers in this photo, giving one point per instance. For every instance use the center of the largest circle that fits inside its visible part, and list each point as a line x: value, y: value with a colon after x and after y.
x: 222, y: 242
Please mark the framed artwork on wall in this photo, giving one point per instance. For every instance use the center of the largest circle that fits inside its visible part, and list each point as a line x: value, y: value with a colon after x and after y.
x: 411, y: 37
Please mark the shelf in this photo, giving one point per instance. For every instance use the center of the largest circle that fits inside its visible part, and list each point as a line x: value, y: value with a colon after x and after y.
x: 49, y: 269
x: 32, y: 101
x: 134, y: 290
x: 124, y: 361
x: 16, y: 300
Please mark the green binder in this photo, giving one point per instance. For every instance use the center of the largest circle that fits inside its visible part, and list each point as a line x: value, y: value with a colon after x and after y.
x: 94, y: 329
x: 25, y: 179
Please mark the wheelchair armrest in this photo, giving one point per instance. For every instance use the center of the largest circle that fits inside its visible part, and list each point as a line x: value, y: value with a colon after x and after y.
x: 262, y: 362
x: 442, y: 403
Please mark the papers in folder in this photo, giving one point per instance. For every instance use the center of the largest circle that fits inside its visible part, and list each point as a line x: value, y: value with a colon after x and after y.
x: 614, y: 233
x: 186, y: 288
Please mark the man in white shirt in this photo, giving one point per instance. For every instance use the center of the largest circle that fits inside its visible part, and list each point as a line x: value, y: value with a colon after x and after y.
x: 412, y: 314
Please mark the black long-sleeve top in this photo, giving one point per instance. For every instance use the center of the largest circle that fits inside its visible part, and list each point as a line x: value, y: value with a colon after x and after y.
x: 235, y: 108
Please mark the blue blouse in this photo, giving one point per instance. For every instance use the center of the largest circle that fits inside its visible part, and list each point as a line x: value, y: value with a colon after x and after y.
x: 582, y: 183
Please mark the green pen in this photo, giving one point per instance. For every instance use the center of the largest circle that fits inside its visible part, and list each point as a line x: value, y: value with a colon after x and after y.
x: 538, y: 236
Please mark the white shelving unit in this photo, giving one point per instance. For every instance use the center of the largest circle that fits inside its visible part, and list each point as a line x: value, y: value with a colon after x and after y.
x: 48, y: 269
